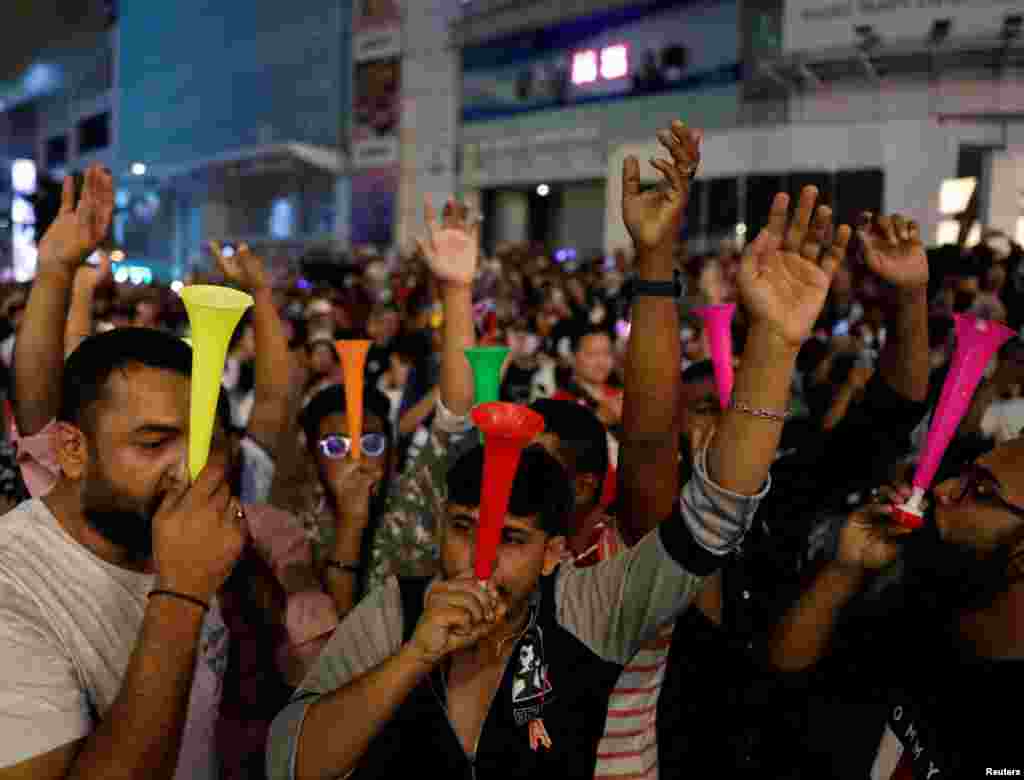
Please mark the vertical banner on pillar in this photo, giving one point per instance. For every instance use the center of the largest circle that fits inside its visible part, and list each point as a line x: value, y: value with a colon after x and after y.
x: 376, y: 119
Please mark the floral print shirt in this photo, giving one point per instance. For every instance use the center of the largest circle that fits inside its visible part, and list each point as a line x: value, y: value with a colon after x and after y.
x: 405, y: 543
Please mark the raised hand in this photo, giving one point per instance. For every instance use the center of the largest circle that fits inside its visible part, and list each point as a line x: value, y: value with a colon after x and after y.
x: 893, y: 250
x: 870, y: 540
x: 88, y: 277
x: 785, y: 274
x: 243, y: 268
x: 77, y: 231
x: 451, y: 249
x: 655, y: 217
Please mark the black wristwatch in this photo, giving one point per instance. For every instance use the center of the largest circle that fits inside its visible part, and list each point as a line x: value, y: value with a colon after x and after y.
x: 673, y: 289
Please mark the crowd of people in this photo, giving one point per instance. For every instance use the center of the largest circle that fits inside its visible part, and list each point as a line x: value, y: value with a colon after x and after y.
x: 681, y: 587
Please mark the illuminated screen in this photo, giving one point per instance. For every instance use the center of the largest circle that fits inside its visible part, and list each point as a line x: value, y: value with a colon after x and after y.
x: 584, y: 67
x: 615, y: 62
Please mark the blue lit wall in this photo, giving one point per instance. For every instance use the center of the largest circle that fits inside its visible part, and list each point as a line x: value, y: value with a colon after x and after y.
x: 200, y: 78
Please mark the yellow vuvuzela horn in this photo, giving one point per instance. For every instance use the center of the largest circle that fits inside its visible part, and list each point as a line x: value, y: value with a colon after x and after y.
x: 213, y: 313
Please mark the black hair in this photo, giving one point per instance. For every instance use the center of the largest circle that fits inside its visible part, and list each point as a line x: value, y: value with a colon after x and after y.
x: 331, y: 400
x: 88, y: 369
x: 413, y: 347
x: 580, y: 432
x: 587, y: 329
x: 939, y: 328
x: 540, y: 488
x: 842, y: 365
x: 700, y: 371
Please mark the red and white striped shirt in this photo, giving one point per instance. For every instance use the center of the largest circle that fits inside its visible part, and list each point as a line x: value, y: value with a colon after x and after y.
x: 629, y: 748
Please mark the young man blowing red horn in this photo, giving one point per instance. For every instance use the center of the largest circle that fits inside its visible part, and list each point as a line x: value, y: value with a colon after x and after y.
x: 512, y: 679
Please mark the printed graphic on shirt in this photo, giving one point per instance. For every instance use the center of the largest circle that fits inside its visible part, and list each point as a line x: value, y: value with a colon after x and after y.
x: 531, y: 677
x: 890, y: 750
x: 914, y: 756
x: 531, y: 685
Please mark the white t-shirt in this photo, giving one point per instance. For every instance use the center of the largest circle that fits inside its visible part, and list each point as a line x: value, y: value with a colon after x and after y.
x: 68, y: 625
x: 1003, y: 420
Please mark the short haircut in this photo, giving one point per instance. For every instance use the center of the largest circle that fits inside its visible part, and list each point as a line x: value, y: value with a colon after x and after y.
x: 582, y: 331
x: 701, y: 371
x: 88, y: 369
x: 331, y: 400
x: 413, y: 348
x: 540, y: 488
x: 580, y: 432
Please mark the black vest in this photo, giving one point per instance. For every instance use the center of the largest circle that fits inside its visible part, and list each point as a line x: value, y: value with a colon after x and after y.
x: 573, y: 711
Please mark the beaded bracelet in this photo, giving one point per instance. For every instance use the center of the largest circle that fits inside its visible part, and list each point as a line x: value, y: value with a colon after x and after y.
x: 765, y: 414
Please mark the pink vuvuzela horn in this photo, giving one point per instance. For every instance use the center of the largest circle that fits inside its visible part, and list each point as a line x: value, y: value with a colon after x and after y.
x: 977, y: 340
x: 717, y: 319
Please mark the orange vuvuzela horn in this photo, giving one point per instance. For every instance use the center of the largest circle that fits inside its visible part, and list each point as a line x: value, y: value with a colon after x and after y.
x: 353, y: 362
x: 213, y: 314
x: 507, y: 429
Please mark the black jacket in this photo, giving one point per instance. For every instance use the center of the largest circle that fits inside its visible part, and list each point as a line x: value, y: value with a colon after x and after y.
x: 573, y: 713
x: 740, y: 729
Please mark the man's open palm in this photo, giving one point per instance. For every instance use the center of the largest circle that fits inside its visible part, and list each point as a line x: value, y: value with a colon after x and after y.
x: 242, y: 268
x: 786, y: 274
x: 654, y: 218
x: 77, y: 231
x: 452, y: 248
x: 893, y: 249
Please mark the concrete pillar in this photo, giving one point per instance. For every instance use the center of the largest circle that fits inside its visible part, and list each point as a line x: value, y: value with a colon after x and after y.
x: 430, y: 99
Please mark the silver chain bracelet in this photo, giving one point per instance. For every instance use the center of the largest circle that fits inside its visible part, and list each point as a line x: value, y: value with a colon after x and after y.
x: 765, y: 414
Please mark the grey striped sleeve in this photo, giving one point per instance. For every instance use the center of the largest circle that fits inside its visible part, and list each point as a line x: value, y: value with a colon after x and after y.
x: 369, y: 635
x: 615, y: 606
x: 717, y: 518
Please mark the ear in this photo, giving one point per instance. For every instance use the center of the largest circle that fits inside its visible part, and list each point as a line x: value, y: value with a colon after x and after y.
x: 72, y: 451
x: 553, y: 554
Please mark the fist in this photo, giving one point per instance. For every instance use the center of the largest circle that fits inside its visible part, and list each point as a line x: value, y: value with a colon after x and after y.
x: 870, y: 540
x: 198, y: 534
x: 352, y: 484
x: 459, y: 613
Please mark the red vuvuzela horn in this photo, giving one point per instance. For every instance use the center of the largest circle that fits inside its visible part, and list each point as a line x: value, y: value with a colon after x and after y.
x: 507, y: 429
